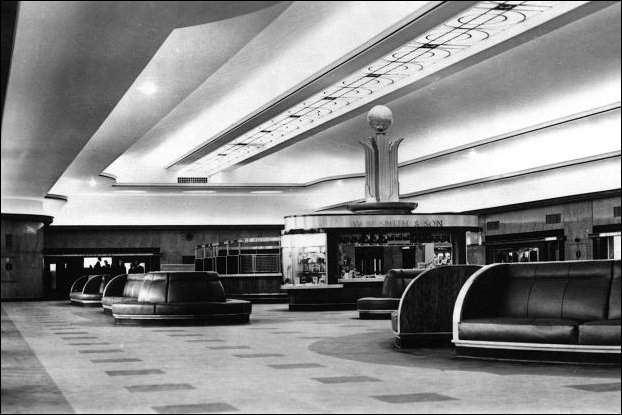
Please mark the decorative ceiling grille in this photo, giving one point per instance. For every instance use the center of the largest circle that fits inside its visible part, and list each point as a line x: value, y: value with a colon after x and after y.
x: 553, y: 218
x: 403, y: 66
x: 192, y: 180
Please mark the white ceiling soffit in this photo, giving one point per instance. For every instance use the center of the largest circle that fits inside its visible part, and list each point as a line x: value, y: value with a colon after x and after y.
x: 300, y: 43
x: 188, y: 56
x: 72, y: 62
x: 472, y: 31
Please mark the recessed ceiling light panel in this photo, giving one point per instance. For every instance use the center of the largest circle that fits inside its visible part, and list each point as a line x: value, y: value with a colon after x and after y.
x: 148, y: 88
x: 483, y: 25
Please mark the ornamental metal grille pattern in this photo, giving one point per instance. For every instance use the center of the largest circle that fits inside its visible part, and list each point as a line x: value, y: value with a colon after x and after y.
x: 192, y: 179
x: 403, y: 66
x: 553, y: 218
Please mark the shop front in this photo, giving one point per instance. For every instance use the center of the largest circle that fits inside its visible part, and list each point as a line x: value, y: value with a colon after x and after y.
x: 349, y: 254
x: 526, y: 247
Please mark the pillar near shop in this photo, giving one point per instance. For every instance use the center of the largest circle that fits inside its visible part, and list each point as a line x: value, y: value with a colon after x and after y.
x: 382, y: 194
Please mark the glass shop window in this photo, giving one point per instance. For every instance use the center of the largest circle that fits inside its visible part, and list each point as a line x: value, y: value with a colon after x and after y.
x: 523, y: 254
x: 607, y: 245
x: 304, y: 259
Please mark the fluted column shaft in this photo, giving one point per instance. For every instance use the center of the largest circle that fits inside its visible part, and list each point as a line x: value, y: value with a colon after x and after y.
x: 381, y: 176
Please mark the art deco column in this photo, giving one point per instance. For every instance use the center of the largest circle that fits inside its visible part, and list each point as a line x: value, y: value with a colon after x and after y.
x: 381, y: 169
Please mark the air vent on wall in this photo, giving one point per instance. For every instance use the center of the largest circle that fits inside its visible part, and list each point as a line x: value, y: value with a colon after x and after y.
x: 192, y: 180
x: 492, y: 226
x: 616, y: 211
x: 553, y: 218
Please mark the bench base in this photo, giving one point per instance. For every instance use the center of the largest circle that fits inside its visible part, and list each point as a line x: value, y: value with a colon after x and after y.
x: 261, y: 298
x: 153, y: 319
x: 412, y: 340
x: 85, y: 303
x: 375, y: 314
x: 548, y: 356
x: 322, y: 307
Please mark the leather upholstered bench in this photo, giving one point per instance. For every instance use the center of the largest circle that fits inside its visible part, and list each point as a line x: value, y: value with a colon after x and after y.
x: 393, y: 287
x: 561, y: 308
x: 426, y: 308
x: 181, y: 296
x: 121, y: 289
x: 88, y: 290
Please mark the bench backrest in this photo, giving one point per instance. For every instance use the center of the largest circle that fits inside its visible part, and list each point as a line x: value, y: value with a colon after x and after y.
x: 181, y: 287
x: 105, y: 280
x: 133, y: 284
x: 575, y: 290
x: 397, y: 280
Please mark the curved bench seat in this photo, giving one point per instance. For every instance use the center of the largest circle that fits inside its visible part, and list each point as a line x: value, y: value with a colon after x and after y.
x: 426, y: 307
x: 600, y: 332
x: 107, y: 302
x: 393, y: 287
x: 376, y: 305
x: 88, y: 290
x: 178, y: 296
x: 560, y: 311
x: 530, y: 330
x: 85, y: 297
x: 121, y: 289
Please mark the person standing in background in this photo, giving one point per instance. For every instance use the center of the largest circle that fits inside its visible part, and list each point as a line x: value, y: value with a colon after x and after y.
x: 118, y: 268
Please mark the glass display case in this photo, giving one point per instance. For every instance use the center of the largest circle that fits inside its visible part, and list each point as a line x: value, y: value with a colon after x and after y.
x: 304, y: 258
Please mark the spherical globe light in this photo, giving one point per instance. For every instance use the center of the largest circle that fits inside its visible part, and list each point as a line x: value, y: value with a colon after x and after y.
x: 380, y: 118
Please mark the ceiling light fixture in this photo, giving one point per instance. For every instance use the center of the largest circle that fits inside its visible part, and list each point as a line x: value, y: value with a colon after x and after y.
x: 478, y: 28
x: 148, y: 88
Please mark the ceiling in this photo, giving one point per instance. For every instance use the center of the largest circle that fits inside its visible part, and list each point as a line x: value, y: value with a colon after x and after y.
x: 107, y: 103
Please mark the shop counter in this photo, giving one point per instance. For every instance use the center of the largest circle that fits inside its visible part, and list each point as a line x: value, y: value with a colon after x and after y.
x: 355, y: 288
x: 342, y: 296
x: 317, y: 297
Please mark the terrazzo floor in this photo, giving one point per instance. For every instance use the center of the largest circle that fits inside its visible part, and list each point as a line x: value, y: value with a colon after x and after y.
x: 58, y: 358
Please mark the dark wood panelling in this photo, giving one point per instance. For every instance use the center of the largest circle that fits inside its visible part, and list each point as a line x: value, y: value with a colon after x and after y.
x: 428, y: 303
x: 173, y: 242
x: 547, y: 202
x: 257, y: 284
x: 22, y: 257
x: 579, y: 216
